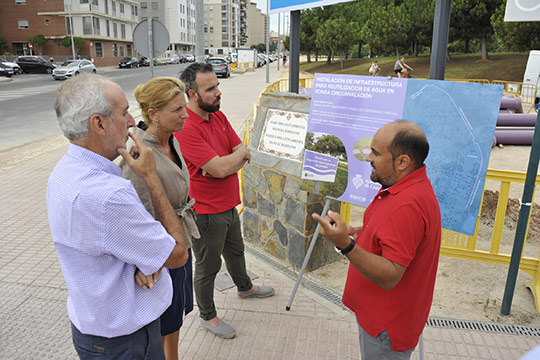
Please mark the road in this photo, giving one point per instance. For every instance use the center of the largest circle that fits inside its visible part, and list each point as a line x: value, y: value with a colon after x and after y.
x: 27, y: 102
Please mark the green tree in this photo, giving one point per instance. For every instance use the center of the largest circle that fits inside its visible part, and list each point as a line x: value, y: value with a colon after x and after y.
x: 420, y: 13
x: 77, y: 42
x: 38, y: 42
x: 471, y: 19
x: 336, y: 35
x: 515, y: 36
x: 3, y: 43
x: 387, y: 27
x: 330, y: 144
x: 308, y: 33
x: 286, y: 42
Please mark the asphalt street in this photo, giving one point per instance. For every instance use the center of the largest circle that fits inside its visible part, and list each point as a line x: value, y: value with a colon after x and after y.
x: 26, y: 102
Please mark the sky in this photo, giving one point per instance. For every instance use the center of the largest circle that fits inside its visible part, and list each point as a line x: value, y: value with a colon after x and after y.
x: 261, y: 4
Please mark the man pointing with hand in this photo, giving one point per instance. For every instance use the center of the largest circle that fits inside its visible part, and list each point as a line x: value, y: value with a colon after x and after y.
x: 394, y: 255
x: 110, y: 249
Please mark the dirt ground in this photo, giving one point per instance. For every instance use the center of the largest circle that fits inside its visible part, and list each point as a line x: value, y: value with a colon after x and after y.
x: 473, y: 290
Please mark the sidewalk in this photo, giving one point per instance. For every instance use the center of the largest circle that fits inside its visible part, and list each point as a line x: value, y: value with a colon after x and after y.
x: 33, y: 314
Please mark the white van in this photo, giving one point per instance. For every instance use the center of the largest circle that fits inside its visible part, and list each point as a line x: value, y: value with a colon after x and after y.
x: 532, y: 72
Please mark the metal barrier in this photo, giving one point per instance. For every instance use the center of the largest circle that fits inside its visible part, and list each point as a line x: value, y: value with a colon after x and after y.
x: 526, y: 91
x: 480, y: 81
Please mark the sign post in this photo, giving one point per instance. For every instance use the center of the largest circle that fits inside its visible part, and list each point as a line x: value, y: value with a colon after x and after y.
x: 30, y: 46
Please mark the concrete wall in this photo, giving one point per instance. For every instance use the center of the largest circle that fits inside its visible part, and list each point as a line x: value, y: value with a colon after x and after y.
x: 277, y: 214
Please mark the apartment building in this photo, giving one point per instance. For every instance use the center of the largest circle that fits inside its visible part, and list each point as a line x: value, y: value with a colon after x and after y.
x: 256, y: 28
x: 178, y: 16
x: 230, y: 24
x: 105, y: 25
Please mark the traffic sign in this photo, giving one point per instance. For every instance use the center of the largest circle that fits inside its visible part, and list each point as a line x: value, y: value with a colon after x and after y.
x: 160, y: 38
x: 30, y: 46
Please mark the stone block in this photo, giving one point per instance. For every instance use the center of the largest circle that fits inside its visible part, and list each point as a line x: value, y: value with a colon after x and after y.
x: 275, y: 249
x: 297, y: 247
x: 264, y: 159
x: 290, y: 167
x: 250, y: 197
x: 295, y: 214
x: 276, y: 183
x: 266, y: 207
x: 254, y: 178
x: 251, y: 224
x: 281, y: 232
x: 267, y: 229
x: 311, y: 224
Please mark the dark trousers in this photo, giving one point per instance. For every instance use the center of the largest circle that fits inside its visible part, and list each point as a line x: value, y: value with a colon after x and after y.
x: 145, y: 344
x: 220, y: 235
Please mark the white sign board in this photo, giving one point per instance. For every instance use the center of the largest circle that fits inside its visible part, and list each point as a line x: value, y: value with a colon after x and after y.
x: 247, y: 56
x: 278, y: 6
x: 284, y: 134
x: 522, y: 10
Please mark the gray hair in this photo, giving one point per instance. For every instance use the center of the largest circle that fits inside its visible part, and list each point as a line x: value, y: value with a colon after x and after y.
x: 78, y: 99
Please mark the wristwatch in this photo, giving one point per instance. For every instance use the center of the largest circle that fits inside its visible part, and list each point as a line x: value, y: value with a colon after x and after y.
x: 347, y: 249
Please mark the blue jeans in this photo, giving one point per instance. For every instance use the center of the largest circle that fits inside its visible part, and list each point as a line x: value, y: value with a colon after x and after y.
x: 144, y: 343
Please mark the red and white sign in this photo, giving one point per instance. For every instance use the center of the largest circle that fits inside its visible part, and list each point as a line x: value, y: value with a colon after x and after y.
x: 30, y: 46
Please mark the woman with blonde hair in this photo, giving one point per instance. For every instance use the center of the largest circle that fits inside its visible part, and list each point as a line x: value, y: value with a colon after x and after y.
x: 163, y: 106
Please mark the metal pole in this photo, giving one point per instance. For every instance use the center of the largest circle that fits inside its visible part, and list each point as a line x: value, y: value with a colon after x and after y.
x: 294, y: 55
x: 278, y: 39
x: 151, y: 45
x: 71, y: 29
x: 267, y: 41
x: 524, y: 212
x: 308, y: 254
x: 200, y: 36
x: 439, y: 44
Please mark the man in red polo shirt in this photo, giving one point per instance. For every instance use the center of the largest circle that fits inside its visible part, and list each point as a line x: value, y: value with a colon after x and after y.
x: 214, y: 153
x: 392, y: 270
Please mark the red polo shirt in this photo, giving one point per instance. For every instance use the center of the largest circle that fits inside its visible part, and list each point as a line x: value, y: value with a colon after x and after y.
x: 402, y: 224
x: 201, y: 140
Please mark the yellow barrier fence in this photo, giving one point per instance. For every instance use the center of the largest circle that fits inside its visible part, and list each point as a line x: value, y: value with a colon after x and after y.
x: 526, y: 91
x: 479, y: 81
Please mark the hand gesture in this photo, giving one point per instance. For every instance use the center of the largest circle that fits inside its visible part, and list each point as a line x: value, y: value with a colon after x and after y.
x: 333, y: 228
x: 140, y: 158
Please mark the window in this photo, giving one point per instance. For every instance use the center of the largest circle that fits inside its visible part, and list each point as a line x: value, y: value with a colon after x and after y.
x: 121, y: 8
x: 107, y: 7
x: 113, y: 3
x: 224, y: 29
x: 128, y: 50
x: 23, y: 23
x: 95, y: 2
x: 83, y: 2
x: 20, y: 2
x: 115, y: 50
x: 123, y: 30
x: 224, y: 36
x: 99, y: 50
x: 115, y: 30
x: 154, y: 5
x: 87, y: 25
x: 68, y: 25
x: 224, y: 7
x: 144, y: 5
x: 134, y: 10
x: 122, y: 50
x: 97, y: 29
x: 108, y: 28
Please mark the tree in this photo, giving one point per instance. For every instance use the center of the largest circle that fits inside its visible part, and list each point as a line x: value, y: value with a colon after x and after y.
x: 329, y: 144
x: 3, y: 43
x: 471, y: 19
x: 387, y: 27
x: 77, y: 42
x: 286, y: 43
x: 420, y: 13
x: 336, y: 34
x: 38, y: 42
x: 518, y: 36
x: 308, y: 33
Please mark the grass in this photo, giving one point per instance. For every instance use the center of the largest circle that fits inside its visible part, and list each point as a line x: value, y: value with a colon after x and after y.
x: 499, y: 66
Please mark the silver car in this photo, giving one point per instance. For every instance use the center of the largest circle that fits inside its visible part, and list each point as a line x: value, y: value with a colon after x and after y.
x: 13, y: 66
x: 73, y: 67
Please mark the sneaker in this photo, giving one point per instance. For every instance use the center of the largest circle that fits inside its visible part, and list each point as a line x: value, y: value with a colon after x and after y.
x: 263, y: 292
x: 222, y: 329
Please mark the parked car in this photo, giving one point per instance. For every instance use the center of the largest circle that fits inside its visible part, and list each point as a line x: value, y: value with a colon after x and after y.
x: 5, y: 71
x: 128, y: 62
x: 173, y: 59
x: 183, y: 58
x: 144, y: 61
x: 16, y: 68
x: 190, y: 57
x: 34, y: 64
x: 261, y: 60
x: 220, y: 66
x: 72, y: 68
